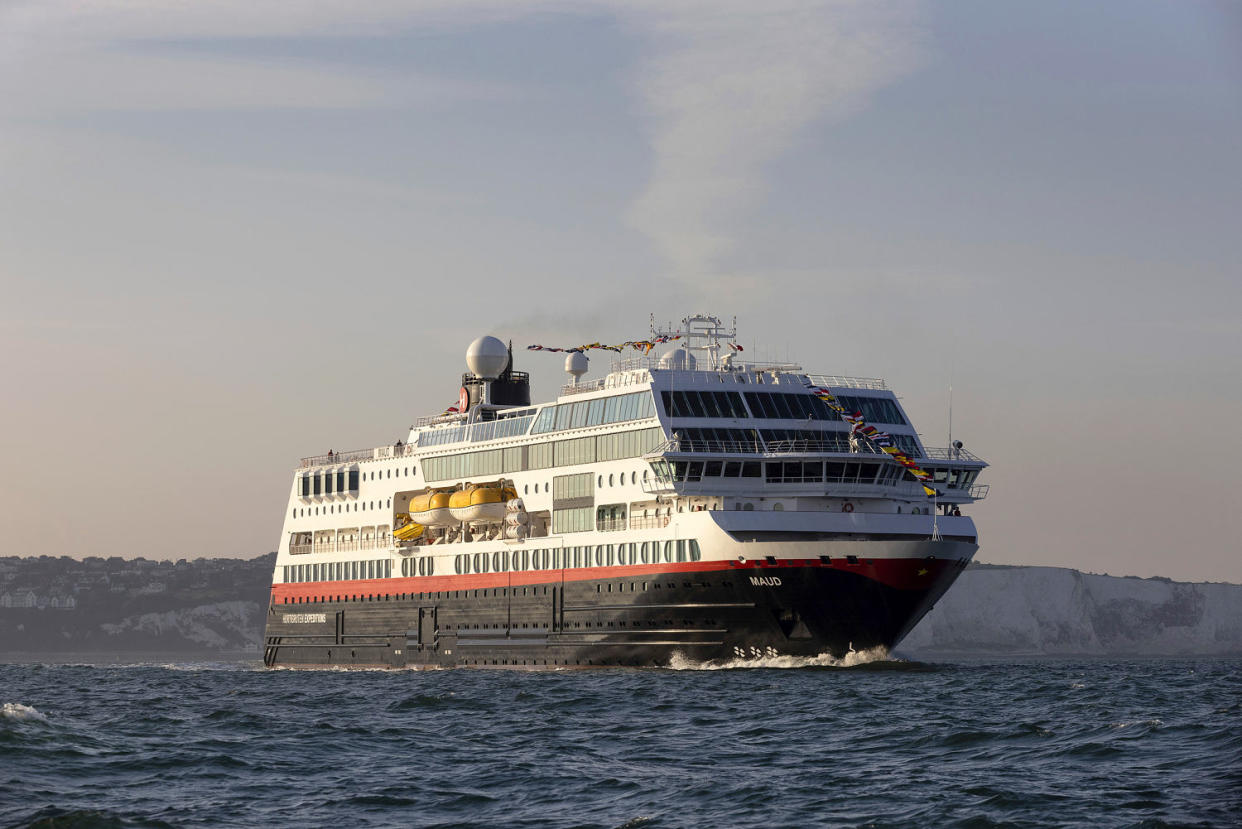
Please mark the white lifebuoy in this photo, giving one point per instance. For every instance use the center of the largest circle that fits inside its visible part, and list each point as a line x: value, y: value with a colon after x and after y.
x: 847, y: 507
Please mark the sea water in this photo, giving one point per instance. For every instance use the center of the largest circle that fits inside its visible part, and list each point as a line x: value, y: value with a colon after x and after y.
x: 769, y: 744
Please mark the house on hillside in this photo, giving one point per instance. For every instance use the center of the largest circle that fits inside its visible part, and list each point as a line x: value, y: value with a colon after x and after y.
x: 19, y: 597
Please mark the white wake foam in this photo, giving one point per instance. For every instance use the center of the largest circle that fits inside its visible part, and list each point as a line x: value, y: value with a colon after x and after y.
x: 21, y: 713
x: 680, y: 662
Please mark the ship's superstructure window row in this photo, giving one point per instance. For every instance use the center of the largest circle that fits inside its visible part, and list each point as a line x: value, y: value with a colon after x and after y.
x: 618, y: 408
x: 339, y: 570
x: 495, y: 430
x: 499, y: 561
x: 704, y: 404
x: 776, y: 440
x: 782, y: 472
x: 874, y: 409
x: 569, y: 452
x: 599, y: 555
x: 329, y: 482
x: 776, y: 406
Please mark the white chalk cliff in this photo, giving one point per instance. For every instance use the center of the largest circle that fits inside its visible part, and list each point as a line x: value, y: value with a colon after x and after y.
x: 1056, y: 611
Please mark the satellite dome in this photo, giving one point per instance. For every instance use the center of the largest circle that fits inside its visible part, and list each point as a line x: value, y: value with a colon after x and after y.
x: 487, y: 357
x: 678, y: 359
x: 576, y: 364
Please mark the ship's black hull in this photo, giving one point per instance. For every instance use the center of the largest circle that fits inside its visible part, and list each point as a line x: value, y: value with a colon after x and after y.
x: 635, y: 620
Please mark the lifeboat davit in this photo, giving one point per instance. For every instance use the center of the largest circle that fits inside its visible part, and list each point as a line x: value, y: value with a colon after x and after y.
x: 431, y: 509
x: 480, y: 503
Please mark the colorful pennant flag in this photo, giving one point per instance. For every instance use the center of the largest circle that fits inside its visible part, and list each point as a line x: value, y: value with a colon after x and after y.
x: 858, y: 426
x: 644, y: 346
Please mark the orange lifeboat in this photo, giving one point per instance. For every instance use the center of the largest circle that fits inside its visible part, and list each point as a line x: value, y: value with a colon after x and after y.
x: 431, y: 509
x: 481, y: 503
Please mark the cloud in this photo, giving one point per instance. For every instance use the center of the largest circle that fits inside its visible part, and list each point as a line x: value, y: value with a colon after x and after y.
x: 728, y: 88
x: 725, y: 86
x: 58, y: 57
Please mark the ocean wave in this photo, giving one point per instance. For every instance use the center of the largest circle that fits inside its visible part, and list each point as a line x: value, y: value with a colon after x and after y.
x: 59, y: 818
x: 680, y: 662
x: 974, y: 745
x: 16, y: 712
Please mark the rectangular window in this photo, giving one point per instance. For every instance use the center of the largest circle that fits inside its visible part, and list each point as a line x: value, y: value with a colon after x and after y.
x: 546, y: 421
x: 565, y: 487
x: 755, y: 401
x: 782, y: 406
x: 562, y: 416
x: 573, y: 520
x: 540, y: 455
x: 610, y: 410
x: 576, y: 451
x: 733, y: 401
x: 578, y: 415
x: 595, y: 413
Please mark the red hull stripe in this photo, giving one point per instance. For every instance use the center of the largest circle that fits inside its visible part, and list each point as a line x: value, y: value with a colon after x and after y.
x: 903, y: 574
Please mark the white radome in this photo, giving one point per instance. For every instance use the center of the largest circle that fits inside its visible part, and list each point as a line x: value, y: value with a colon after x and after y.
x: 678, y: 360
x: 487, y: 357
x: 576, y: 364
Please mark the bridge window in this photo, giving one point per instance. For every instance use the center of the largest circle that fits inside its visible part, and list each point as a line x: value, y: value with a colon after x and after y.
x: 873, y: 409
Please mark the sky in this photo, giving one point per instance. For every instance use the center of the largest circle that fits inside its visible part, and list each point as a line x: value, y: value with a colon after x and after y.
x: 235, y: 234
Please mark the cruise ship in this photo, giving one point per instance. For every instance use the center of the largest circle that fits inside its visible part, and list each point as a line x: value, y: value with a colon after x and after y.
x: 690, y: 505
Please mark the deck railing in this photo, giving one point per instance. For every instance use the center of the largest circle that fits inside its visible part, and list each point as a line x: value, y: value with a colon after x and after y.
x: 651, y: 522
x: 948, y: 453
x: 339, y: 457
x: 579, y: 388
x: 763, y: 448
x: 837, y: 381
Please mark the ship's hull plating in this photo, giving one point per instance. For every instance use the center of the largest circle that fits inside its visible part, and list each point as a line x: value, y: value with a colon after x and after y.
x: 702, y: 612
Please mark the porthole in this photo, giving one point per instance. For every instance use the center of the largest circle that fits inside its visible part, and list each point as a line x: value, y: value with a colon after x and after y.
x: 610, y: 479
x: 601, y: 482
x: 633, y: 477
x: 526, y: 489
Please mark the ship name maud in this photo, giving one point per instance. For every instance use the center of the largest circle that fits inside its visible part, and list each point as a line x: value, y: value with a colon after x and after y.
x: 303, y: 618
x: 765, y: 581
